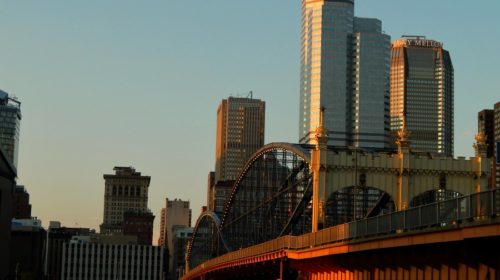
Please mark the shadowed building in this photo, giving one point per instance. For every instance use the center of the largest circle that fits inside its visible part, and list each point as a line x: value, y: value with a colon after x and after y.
x: 422, y: 93
x: 21, y: 207
x: 139, y: 224
x: 27, y: 251
x: 8, y: 174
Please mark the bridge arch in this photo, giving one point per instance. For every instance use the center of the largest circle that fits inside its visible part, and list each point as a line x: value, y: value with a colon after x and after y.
x: 432, y: 196
x: 354, y: 202
x: 270, y: 198
x: 206, y: 242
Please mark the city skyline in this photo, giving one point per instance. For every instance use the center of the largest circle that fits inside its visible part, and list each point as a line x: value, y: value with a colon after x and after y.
x: 87, y: 85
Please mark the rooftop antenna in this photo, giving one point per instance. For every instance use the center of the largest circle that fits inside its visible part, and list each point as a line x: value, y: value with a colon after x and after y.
x: 250, y: 94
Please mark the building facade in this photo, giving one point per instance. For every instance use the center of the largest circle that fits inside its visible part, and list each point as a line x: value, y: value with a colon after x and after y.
x: 181, y: 237
x: 177, y: 214
x: 497, y: 144
x: 219, y: 194
x: 58, y: 236
x: 124, y: 190
x: 84, y: 259
x: 344, y: 69
x: 27, y: 251
x: 21, y: 207
x: 8, y: 176
x: 421, y: 90
x: 240, y: 133
x: 139, y: 224
x: 10, y: 122
x: 486, y: 126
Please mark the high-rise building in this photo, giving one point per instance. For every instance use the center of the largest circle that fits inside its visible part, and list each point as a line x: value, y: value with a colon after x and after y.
x: 125, y: 190
x: 10, y: 121
x: 344, y: 69
x: 177, y: 214
x: 240, y: 133
x: 422, y: 93
x: 486, y: 126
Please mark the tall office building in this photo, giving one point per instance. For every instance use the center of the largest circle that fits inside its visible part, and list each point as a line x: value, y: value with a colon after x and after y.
x: 422, y: 93
x: 240, y: 133
x: 10, y: 121
x: 345, y: 69
x: 125, y: 190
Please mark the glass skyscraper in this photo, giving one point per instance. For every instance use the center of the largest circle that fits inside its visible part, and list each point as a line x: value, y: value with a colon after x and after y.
x: 422, y: 93
x: 10, y: 121
x: 345, y: 69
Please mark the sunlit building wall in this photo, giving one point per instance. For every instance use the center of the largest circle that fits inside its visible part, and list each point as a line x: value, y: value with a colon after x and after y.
x: 240, y: 133
x: 344, y: 68
x: 421, y: 88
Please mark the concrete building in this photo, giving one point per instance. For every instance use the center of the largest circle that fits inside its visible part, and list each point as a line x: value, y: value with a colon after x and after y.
x: 8, y: 175
x: 345, y: 69
x: 139, y: 224
x: 58, y: 236
x: 89, y: 258
x: 10, y: 122
x: 240, y: 133
x: 177, y: 214
x: 422, y: 93
x: 124, y: 190
x: 21, y: 207
x: 181, y: 237
x: 489, y: 125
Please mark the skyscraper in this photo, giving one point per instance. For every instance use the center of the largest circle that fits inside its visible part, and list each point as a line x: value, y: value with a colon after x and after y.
x: 125, y: 190
x: 240, y: 133
x: 10, y: 121
x: 422, y: 93
x: 344, y: 68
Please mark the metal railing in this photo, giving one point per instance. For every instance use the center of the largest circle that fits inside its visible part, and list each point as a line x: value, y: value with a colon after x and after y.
x: 443, y: 214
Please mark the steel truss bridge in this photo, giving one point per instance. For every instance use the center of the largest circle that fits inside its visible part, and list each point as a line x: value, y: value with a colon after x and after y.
x: 270, y: 209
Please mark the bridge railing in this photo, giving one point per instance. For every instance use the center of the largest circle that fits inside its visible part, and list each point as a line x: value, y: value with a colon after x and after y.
x: 448, y: 213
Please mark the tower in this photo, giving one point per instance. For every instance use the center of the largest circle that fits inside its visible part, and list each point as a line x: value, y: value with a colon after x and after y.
x: 10, y: 121
x: 126, y: 190
x: 240, y: 133
x: 421, y: 93
x: 344, y: 68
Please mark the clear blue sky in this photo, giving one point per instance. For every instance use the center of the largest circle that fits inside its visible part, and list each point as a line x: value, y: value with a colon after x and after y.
x: 105, y: 83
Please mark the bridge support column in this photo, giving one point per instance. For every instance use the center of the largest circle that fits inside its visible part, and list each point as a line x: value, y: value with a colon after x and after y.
x: 404, y: 168
x: 319, y: 168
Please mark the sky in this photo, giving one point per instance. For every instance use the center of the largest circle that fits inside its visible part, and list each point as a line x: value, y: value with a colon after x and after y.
x: 137, y: 83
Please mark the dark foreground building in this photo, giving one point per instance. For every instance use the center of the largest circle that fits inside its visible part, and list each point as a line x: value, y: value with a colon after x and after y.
x: 8, y: 174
